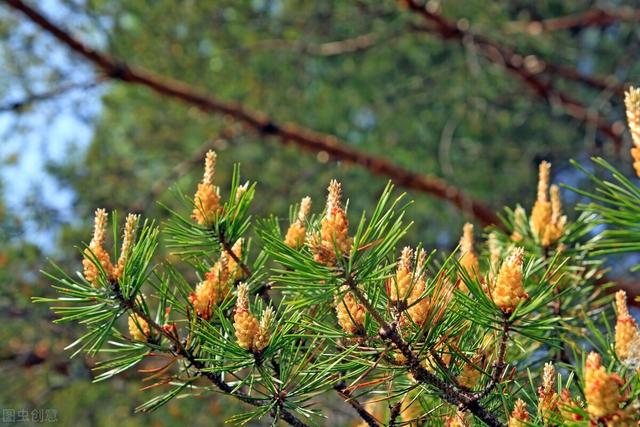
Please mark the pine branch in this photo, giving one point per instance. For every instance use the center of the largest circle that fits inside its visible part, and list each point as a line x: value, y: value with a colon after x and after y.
x: 395, y: 413
x: 303, y: 138
x: 500, y: 364
x: 198, y: 364
x: 361, y: 410
x: 449, y: 393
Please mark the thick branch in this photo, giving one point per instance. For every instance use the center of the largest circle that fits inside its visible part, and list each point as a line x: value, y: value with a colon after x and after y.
x: 286, y: 133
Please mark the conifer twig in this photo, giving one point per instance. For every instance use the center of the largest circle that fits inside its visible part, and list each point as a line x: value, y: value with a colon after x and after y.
x: 355, y: 404
x: 49, y: 94
x: 198, y: 364
x: 389, y: 332
x: 500, y: 364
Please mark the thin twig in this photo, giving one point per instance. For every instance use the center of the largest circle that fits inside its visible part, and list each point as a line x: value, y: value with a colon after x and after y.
x: 48, y: 95
x: 595, y: 17
x: 500, y: 364
x: 361, y: 410
x: 263, y: 290
x: 226, y: 245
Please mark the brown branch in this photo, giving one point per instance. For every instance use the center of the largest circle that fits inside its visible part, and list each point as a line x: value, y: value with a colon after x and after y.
x: 603, y: 83
x: 197, y: 364
x: 228, y: 248
x: 596, y: 17
x: 500, y: 363
x: 263, y: 124
x: 394, y: 414
x: 448, y: 392
x: 513, y: 62
x: 334, y: 48
x: 609, y: 83
x: 361, y: 410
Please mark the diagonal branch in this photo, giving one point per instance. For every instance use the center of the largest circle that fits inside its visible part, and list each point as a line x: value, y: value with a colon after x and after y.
x: 448, y: 392
x: 513, y: 62
x: 595, y: 17
x: 500, y: 364
x: 357, y: 406
x: 355, y: 44
x: 199, y: 366
x: 287, y: 133
x: 47, y: 95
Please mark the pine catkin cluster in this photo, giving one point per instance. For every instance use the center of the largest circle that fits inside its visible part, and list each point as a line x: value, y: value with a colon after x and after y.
x: 127, y: 243
x: 547, y: 396
x: 400, y: 285
x: 333, y: 240
x: 519, y: 416
x: 627, y: 334
x: 138, y: 328
x: 250, y: 334
x: 350, y: 313
x: 601, y: 389
x: 407, y: 287
x: 547, y: 221
x: 508, y: 290
x: 603, y: 393
x: 468, y: 258
x: 217, y: 282
x: 419, y: 304
x: 519, y: 224
x: 96, y: 254
x: 295, y: 237
x: 96, y: 249
x: 632, y: 105
x: 207, y: 198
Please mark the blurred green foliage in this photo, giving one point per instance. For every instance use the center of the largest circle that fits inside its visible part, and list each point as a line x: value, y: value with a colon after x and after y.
x: 430, y: 105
